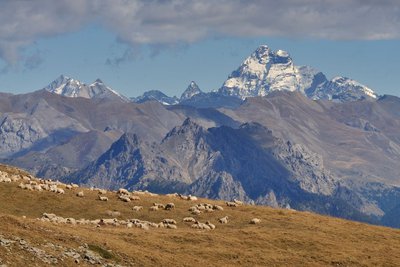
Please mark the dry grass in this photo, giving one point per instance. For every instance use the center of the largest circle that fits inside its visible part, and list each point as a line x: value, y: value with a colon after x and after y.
x: 282, y: 238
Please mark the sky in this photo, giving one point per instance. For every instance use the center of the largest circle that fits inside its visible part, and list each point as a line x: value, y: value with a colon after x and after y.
x: 136, y: 46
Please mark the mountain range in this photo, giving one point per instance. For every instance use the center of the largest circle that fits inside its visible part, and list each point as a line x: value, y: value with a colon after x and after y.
x: 274, y: 134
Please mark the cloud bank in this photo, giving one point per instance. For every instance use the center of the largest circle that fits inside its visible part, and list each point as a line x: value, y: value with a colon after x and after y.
x: 177, y: 22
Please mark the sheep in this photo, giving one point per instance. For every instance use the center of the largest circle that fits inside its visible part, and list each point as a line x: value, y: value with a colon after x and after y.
x: 193, y: 208
x: 169, y: 221
x: 80, y: 194
x: 231, y: 204
x: 217, y: 207
x: 107, y: 221
x: 159, y: 205
x: 68, y: 186
x: 28, y: 187
x: 123, y: 191
x: 124, y: 198
x: 134, y: 198
x: 21, y: 185
x: 74, y: 185
x: 202, y: 226
x: 15, y: 178
x: 223, y: 220
x: 102, y: 191
x: 196, y: 212
x: 137, y: 208
x: 169, y: 206
x: 212, y: 226
x: 183, y: 197
x: 7, y: 180
x: 38, y: 187
x: 189, y: 219
x: 60, y: 191
x: 192, y: 198
x: 101, y: 198
x: 255, y: 221
x: 240, y: 203
x: 171, y: 226
x: 153, y: 208
x: 200, y: 207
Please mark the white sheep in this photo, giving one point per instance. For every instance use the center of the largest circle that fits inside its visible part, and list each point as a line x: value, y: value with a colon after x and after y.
x: 102, y: 191
x: 223, y: 220
x: 123, y: 191
x: 101, y: 198
x: 196, y: 212
x: 240, y: 203
x: 134, y: 198
x: 255, y: 221
x: 153, y: 208
x: 217, y: 207
x: 80, y: 194
x: 169, y: 221
x: 231, y: 204
x: 202, y: 226
x: 137, y: 208
x: 159, y: 205
x: 189, y: 219
x: 212, y: 226
x: 38, y: 187
x: 60, y: 191
x: 124, y: 198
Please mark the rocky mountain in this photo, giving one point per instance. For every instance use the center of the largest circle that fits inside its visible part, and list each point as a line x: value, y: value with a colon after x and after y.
x: 265, y: 71
x: 155, y: 95
x: 191, y: 91
x: 341, y: 89
x: 70, y: 87
x: 246, y: 163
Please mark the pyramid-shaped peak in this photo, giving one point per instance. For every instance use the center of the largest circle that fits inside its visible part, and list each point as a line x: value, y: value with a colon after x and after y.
x: 192, y: 90
x: 98, y: 81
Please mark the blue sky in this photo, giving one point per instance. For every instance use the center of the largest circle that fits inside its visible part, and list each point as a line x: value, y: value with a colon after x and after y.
x: 135, y: 46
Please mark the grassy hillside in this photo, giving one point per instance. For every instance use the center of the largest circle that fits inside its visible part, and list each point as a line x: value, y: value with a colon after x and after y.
x: 283, y: 237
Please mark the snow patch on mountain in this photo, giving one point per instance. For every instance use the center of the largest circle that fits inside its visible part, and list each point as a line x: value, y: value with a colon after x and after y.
x: 156, y: 95
x: 70, y: 87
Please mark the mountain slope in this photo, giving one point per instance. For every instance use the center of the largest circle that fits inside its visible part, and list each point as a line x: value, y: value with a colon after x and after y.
x: 282, y: 236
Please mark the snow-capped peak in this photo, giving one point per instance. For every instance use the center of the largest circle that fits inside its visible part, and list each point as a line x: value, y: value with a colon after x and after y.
x: 343, y: 89
x: 265, y: 71
x: 192, y: 90
x: 156, y: 95
x: 70, y: 87
x: 262, y: 72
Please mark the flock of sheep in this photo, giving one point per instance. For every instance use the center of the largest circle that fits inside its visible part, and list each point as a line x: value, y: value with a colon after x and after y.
x: 35, y: 184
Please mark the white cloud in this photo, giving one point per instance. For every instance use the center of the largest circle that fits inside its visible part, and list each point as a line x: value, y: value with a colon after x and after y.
x: 175, y: 22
